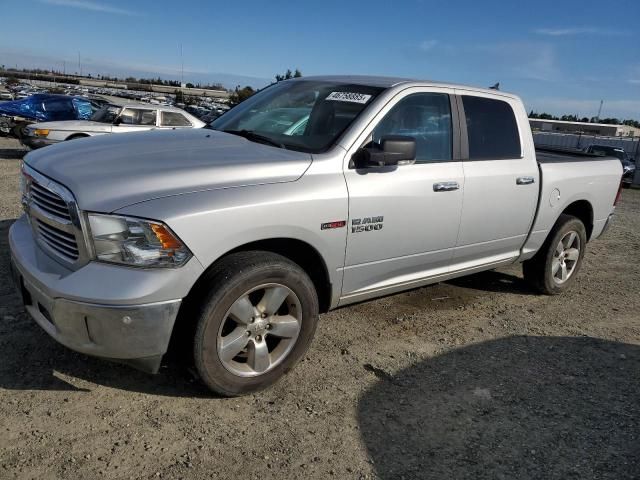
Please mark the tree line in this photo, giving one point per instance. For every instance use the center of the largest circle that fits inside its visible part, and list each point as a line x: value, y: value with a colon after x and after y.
x: 574, y: 118
x: 72, y: 78
x: 241, y: 94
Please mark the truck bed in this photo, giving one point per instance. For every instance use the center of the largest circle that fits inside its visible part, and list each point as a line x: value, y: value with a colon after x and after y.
x: 550, y: 154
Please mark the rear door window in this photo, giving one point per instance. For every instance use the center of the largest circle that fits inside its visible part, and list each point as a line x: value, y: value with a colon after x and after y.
x: 491, y: 128
x: 174, y: 119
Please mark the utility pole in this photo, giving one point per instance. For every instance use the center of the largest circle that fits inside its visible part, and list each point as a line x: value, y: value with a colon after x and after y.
x: 182, y: 67
x: 64, y: 68
x: 79, y: 64
x: 599, y: 110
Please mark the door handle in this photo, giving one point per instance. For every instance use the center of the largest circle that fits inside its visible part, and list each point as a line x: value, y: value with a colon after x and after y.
x: 445, y: 186
x: 524, y: 180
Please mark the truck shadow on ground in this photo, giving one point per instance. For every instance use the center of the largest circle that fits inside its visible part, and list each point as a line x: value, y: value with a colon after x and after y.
x: 518, y: 407
x: 494, y: 281
x: 12, y: 153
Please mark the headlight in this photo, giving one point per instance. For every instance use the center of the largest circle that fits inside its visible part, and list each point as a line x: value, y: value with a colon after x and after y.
x: 41, y: 132
x: 137, y: 242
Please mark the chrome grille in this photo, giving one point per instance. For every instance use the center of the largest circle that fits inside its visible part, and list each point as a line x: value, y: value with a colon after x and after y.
x: 55, y: 219
x: 49, y: 201
x: 62, y: 242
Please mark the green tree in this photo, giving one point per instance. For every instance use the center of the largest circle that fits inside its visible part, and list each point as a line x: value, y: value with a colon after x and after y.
x: 288, y: 75
x: 239, y: 95
x: 610, y: 121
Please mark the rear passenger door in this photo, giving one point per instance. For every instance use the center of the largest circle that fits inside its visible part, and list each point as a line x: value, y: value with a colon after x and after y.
x: 501, y: 179
x: 403, y: 220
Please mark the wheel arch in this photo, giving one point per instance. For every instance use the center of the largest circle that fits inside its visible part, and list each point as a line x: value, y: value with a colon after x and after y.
x: 298, y: 251
x: 73, y: 136
x: 583, y: 210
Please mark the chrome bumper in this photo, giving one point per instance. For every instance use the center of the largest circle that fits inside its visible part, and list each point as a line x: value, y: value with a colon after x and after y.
x: 136, y: 334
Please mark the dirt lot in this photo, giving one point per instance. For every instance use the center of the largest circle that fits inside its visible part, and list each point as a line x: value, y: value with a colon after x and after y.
x: 476, y: 378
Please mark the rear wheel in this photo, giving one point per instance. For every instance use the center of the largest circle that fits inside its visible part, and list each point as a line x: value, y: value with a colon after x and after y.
x: 553, y: 269
x: 255, y: 324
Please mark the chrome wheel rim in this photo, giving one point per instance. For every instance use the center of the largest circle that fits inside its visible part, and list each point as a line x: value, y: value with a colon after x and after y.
x: 565, y: 258
x: 259, y: 330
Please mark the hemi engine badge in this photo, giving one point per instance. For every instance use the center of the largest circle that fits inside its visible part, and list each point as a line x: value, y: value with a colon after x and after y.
x: 338, y: 224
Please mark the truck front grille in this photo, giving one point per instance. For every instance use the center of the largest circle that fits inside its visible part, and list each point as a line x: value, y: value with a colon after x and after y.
x: 49, y: 201
x: 55, y: 220
x: 58, y: 240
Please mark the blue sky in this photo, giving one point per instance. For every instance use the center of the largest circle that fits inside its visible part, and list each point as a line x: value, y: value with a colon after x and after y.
x: 561, y: 56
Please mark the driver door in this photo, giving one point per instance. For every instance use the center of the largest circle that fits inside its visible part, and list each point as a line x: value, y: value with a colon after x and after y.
x: 403, y: 220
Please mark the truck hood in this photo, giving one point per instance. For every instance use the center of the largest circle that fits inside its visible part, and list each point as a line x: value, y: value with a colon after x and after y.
x: 110, y: 172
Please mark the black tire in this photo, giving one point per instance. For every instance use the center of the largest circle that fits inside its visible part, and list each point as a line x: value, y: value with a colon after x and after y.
x: 538, y: 270
x: 17, y: 131
x: 230, y: 279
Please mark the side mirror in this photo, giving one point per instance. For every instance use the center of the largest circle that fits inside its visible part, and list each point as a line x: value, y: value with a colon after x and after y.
x: 117, y: 121
x: 392, y: 149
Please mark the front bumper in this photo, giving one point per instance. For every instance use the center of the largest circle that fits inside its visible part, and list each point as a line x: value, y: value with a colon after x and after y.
x: 136, y: 333
x: 37, y: 142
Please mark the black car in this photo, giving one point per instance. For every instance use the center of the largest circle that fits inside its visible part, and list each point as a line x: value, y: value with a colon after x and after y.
x: 628, y: 164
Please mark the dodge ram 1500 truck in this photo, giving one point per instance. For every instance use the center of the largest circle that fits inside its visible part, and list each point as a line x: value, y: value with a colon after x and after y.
x: 313, y: 194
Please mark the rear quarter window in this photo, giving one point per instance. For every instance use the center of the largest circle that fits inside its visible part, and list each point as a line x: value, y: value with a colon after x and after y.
x: 491, y: 128
x: 174, y: 119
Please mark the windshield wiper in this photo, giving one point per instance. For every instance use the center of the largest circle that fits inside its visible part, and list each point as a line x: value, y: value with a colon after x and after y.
x: 256, y: 137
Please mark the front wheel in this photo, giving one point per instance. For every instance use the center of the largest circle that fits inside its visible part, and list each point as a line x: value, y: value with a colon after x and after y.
x: 553, y: 269
x: 255, y: 324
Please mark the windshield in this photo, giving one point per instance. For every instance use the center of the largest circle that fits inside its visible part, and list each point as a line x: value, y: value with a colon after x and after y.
x: 305, y: 115
x: 106, y: 114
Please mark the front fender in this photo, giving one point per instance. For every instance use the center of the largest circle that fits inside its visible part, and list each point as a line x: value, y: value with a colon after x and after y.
x: 212, y: 223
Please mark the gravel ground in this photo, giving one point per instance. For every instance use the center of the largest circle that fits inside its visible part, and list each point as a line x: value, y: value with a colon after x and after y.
x: 475, y: 378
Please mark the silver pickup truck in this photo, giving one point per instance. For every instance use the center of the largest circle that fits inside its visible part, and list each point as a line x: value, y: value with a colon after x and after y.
x: 313, y: 194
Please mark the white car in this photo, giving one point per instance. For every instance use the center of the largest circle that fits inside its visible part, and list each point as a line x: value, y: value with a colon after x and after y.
x: 110, y: 119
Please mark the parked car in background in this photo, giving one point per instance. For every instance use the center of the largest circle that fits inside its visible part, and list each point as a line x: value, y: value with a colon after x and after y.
x: 235, y: 239
x: 628, y: 165
x: 42, y: 107
x: 110, y: 119
x: 211, y: 116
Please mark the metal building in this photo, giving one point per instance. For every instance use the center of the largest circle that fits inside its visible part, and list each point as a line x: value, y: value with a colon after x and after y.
x: 603, y: 129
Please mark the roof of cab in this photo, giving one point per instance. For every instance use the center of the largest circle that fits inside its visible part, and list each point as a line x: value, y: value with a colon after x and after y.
x: 389, y: 82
